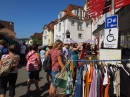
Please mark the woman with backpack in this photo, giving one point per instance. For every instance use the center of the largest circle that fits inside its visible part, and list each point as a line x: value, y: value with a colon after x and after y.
x: 11, y: 59
x: 33, y: 66
x: 57, y: 64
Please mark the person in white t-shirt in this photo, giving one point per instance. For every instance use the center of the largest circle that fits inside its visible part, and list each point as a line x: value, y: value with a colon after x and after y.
x: 23, y: 53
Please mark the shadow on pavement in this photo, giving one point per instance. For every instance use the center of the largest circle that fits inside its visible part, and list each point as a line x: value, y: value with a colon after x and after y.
x: 25, y: 83
x: 38, y: 93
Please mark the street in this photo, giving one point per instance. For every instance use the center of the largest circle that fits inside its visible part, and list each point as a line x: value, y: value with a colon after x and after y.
x: 21, y: 85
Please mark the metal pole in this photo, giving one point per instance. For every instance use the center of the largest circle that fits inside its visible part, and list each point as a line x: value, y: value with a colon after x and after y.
x: 113, y: 7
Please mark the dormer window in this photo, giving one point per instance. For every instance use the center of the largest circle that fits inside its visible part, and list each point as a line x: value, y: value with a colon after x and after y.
x: 79, y: 13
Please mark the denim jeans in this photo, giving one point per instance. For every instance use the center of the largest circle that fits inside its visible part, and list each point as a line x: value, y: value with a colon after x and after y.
x: 53, y: 74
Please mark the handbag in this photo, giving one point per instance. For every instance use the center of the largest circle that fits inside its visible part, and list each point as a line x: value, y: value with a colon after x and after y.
x: 5, y: 68
x: 60, y: 78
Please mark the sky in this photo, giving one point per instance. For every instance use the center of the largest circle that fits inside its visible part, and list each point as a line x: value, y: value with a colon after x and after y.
x: 29, y: 16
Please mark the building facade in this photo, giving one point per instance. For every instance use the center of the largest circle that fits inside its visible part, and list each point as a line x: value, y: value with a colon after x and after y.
x: 48, y: 33
x: 72, y: 24
x: 7, y: 29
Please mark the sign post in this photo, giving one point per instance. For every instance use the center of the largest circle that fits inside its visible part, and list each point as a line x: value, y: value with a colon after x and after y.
x: 111, y: 32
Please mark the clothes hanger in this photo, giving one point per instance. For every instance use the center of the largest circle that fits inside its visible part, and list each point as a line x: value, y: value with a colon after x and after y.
x: 121, y: 65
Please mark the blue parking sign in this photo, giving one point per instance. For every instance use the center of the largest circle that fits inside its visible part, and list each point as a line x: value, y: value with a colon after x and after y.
x: 111, y: 22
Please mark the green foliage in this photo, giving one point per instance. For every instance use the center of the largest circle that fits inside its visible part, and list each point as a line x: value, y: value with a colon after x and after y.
x: 35, y: 40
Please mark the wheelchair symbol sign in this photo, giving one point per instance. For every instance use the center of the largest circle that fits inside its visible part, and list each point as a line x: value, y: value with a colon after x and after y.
x: 111, y: 38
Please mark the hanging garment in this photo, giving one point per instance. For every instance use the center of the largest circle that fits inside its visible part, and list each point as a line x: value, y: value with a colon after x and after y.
x: 72, y: 68
x: 111, y: 87
x: 75, y: 80
x: 93, y: 89
x: 102, y: 87
x: 124, y: 83
x: 99, y: 82
x: 79, y: 84
x: 86, y: 84
x: 84, y: 79
x: 69, y: 85
x: 105, y: 81
x: 106, y: 93
x: 91, y: 73
x: 117, y: 82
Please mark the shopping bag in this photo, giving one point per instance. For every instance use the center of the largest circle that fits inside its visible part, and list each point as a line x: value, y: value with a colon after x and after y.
x: 61, y: 78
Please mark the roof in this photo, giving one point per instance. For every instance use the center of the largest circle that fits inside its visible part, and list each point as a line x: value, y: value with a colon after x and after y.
x: 38, y: 35
x: 68, y: 11
x: 51, y: 24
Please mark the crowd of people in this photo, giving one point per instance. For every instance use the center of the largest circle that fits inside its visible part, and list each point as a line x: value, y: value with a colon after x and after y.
x: 34, y: 57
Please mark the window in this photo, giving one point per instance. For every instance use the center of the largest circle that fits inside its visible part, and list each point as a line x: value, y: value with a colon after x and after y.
x: 80, y: 26
x: 72, y: 22
x: 79, y: 13
x: 59, y: 26
x: 67, y: 34
x: 80, y: 36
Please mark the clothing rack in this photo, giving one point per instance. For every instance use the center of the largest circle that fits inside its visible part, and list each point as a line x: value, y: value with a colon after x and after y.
x: 83, y: 60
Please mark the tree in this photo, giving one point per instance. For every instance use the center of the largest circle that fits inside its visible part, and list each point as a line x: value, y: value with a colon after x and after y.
x: 37, y: 41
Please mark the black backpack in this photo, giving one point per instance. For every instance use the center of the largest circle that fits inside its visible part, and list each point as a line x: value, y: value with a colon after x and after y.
x: 47, y: 64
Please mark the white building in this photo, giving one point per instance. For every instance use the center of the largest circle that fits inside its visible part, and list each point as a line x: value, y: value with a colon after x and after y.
x: 72, y: 24
x: 48, y: 33
x: 45, y: 35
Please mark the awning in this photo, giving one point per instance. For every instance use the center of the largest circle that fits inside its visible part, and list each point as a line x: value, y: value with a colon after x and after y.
x: 9, y: 40
x: 99, y: 29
